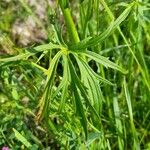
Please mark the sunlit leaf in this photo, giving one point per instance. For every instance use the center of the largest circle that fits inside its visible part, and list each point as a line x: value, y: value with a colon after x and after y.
x: 21, y: 138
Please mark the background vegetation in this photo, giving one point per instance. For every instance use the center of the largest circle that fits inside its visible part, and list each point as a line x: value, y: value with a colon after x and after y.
x: 74, y: 74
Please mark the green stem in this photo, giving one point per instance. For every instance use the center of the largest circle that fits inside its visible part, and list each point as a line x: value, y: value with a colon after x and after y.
x: 70, y: 25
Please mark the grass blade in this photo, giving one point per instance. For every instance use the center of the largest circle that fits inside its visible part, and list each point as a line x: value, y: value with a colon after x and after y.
x: 134, y: 133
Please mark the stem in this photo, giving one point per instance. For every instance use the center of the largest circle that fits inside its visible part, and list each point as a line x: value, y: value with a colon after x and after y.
x: 70, y: 25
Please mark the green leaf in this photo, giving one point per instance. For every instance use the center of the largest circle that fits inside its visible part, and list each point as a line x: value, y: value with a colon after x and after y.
x: 93, y: 87
x: 78, y: 99
x: 83, y: 91
x: 66, y: 79
x: 97, y: 39
x: 32, y: 51
x: 45, y: 100
x: 92, y: 73
x: 63, y: 97
x: 92, y: 137
x: 103, y: 60
x: 80, y: 108
x: 65, y: 76
x: 49, y: 46
x: 16, y: 58
x: 136, y: 144
x: 21, y: 138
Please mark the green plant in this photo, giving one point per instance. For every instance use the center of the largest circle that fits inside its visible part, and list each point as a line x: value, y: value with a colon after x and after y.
x: 85, y: 98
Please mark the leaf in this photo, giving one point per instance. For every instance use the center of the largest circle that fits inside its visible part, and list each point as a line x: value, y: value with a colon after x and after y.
x: 49, y: 46
x: 45, y: 100
x: 21, y: 138
x: 92, y: 137
x: 97, y: 39
x: 40, y: 67
x: 63, y: 97
x: 80, y: 108
x: 85, y: 96
x: 66, y: 78
x: 16, y: 58
x: 83, y: 91
x: 93, y: 87
x: 136, y: 144
x: 103, y: 60
x: 32, y: 51
x: 77, y: 97
x: 92, y: 73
